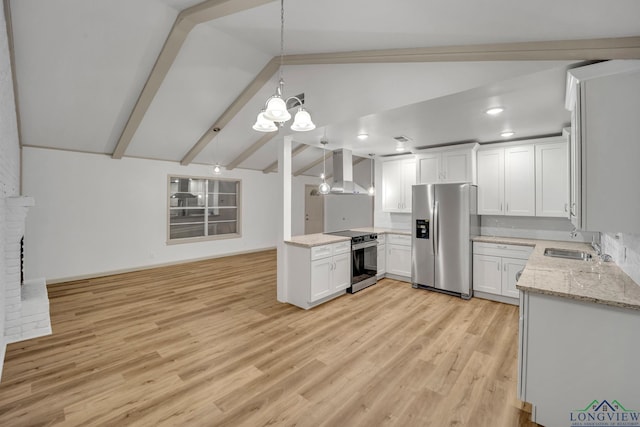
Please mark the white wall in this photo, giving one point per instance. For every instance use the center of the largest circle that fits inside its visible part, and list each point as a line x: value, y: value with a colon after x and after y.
x: 343, y: 212
x: 531, y: 227
x: 97, y: 215
x: 9, y: 161
x: 625, y: 250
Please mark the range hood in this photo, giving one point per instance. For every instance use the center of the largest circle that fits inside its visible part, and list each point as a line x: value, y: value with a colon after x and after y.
x: 343, y: 174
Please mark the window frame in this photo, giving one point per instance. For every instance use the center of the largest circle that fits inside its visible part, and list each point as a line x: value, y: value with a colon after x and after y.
x: 237, y: 234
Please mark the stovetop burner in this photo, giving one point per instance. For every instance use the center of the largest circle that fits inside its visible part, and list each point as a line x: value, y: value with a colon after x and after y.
x: 356, y: 236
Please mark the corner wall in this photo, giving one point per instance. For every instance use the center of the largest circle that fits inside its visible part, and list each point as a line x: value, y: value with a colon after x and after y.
x: 9, y: 163
x: 95, y: 215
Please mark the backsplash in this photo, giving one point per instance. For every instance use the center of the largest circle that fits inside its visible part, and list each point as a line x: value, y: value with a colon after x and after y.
x: 615, y: 244
x: 531, y: 227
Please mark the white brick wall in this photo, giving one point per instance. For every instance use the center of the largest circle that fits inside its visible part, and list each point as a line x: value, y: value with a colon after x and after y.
x: 9, y: 186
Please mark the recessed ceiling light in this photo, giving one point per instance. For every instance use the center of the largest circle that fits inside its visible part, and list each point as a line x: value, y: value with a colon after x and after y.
x: 400, y: 148
x: 494, y: 111
x: 363, y: 136
x: 507, y: 133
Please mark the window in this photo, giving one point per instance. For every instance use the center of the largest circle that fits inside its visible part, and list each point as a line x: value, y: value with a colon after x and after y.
x: 203, y: 208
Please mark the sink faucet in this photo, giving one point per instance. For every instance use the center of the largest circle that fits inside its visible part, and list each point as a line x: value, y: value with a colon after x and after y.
x: 573, y: 233
x: 595, y: 245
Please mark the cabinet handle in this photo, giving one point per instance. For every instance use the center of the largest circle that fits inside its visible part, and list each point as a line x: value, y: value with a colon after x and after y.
x: 500, y: 207
x: 504, y: 268
x: 507, y: 207
x: 566, y: 207
x: 498, y: 267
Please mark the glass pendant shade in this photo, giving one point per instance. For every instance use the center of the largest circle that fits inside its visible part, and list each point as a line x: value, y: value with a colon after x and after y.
x: 302, y: 121
x: 371, y: 190
x: 264, y: 125
x: 324, y: 188
x: 277, y: 110
x: 217, y: 170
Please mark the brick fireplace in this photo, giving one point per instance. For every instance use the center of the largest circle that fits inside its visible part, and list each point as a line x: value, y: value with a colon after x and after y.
x: 26, y: 305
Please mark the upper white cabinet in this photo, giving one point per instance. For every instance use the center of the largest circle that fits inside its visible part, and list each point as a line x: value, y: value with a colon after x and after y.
x: 506, y: 181
x: 519, y: 181
x: 527, y: 178
x: 397, y: 178
x: 447, y: 165
x: 552, y: 175
x: 605, y: 145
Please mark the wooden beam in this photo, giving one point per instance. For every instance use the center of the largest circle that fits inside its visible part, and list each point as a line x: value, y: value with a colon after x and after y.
x: 590, y: 49
x: 312, y: 164
x: 184, y: 23
x: 263, y: 76
x: 249, y: 151
x: 274, y: 166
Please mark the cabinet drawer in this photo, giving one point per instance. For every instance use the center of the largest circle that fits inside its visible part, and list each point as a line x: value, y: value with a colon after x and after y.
x: 502, y: 250
x: 318, y: 252
x: 342, y: 247
x: 399, y: 239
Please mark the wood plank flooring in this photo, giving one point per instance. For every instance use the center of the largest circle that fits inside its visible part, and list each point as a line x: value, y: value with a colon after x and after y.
x: 206, y: 343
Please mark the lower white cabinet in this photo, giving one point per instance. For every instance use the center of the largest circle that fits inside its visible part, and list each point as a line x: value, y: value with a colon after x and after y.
x: 317, y: 274
x: 495, y: 267
x: 382, y: 255
x: 399, y: 256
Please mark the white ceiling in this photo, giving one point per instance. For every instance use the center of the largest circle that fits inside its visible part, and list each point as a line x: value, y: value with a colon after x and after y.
x: 81, y: 66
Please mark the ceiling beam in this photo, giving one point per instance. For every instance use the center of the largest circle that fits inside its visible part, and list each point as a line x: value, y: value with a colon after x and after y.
x: 312, y: 164
x: 184, y: 23
x: 256, y: 84
x: 589, y: 49
x: 274, y: 166
x: 249, y: 151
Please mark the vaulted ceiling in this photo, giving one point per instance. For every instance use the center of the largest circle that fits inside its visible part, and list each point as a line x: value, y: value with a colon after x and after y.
x: 151, y: 78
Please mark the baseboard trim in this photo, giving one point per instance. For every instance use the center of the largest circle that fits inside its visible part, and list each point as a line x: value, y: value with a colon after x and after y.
x: 497, y: 298
x: 150, y: 267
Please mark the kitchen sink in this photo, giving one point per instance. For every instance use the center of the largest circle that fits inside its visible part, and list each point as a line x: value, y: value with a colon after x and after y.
x: 567, y: 253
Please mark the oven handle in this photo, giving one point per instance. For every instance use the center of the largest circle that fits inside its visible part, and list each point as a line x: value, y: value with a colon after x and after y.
x: 364, y: 245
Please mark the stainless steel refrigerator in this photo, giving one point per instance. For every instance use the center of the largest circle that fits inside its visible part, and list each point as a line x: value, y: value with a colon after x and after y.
x: 444, y: 219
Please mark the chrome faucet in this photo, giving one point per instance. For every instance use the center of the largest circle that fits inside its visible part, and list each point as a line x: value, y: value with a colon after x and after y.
x: 595, y: 245
x: 573, y: 233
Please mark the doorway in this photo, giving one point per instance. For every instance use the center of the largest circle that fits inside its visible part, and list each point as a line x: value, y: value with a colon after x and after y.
x: 313, y: 210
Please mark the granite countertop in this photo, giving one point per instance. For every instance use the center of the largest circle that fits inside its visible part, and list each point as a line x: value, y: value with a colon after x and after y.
x: 592, y: 281
x: 379, y: 230
x: 319, y: 239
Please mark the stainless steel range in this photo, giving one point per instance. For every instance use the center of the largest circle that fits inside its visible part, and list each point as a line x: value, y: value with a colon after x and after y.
x: 364, y: 258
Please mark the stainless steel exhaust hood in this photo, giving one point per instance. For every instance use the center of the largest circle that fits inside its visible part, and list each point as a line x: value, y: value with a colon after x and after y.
x: 343, y: 174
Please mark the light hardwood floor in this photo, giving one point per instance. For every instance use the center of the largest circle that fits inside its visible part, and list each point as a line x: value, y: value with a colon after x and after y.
x: 206, y: 343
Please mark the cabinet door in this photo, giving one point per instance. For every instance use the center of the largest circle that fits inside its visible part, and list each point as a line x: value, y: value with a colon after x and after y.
x: 491, y: 182
x: 456, y: 166
x: 552, y: 180
x: 382, y: 258
x: 487, y: 274
x: 321, y: 272
x: 408, y: 180
x: 341, y: 271
x: 519, y: 177
x: 392, y: 189
x: 511, y: 267
x: 429, y: 169
x: 399, y: 260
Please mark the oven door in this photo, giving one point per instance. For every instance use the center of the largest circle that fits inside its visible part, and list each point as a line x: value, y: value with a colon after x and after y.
x: 364, y: 264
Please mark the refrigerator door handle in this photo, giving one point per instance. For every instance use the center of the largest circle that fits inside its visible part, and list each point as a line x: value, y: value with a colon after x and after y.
x: 435, y: 228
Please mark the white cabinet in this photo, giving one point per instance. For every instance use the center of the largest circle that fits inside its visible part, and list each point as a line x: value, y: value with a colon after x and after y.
x: 563, y: 346
x: 495, y: 267
x: 605, y: 108
x: 317, y: 274
x: 491, y: 182
x: 397, y: 178
x: 382, y: 255
x: 552, y: 175
x: 446, y: 165
x: 399, y: 256
x: 519, y: 181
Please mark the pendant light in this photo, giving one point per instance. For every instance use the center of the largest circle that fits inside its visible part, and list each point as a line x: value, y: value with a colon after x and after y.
x: 324, y: 188
x: 275, y: 112
x: 372, y: 189
x: 217, y: 170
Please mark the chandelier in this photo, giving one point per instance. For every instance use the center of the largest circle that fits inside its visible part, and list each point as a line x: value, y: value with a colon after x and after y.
x: 275, y: 112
